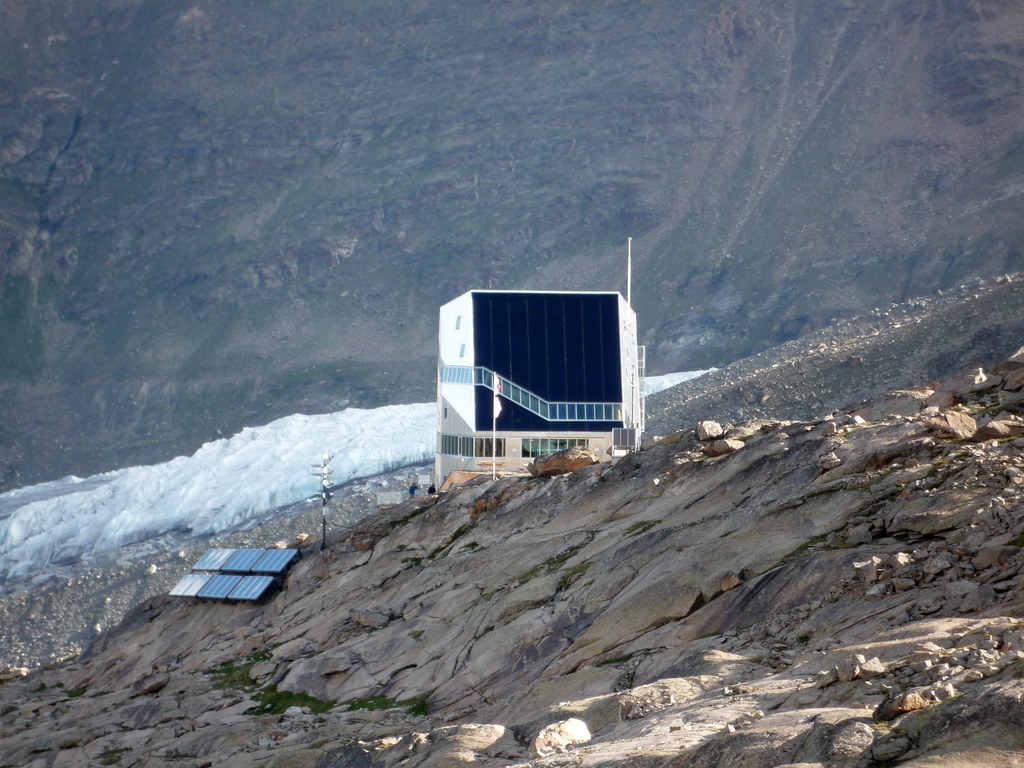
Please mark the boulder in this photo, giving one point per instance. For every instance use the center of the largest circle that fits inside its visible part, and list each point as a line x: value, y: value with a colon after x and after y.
x: 1004, y: 426
x: 722, y: 447
x: 293, y: 649
x: 829, y: 460
x: 959, y: 387
x: 900, y: 704
x: 640, y: 702
x: 561, y: 736
x: 563, y: 462
x: 1013, y: 381
x: 953, y: 422
x: 709, y: 430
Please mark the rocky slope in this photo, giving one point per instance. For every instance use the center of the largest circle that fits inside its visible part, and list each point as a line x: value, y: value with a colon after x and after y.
x: 839, y: 592
x: 902, y: 345
x: 908, y: 344
x: 214, y: 214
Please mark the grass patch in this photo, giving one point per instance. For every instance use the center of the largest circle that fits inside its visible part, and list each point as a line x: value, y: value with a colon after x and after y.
x: 418, y: 705
x: 616, y: 661
x: 275, y: 702
x: 74, y: 693
x: 552, y: 564
x: 403, y: 520
x: 1018, y: 541
x: 237, y: 676
x: 641, y: 526
x: 111, y: 756
x: 572, y: 574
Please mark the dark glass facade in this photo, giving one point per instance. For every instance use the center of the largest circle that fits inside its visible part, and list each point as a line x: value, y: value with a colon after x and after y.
x: 561, y: 347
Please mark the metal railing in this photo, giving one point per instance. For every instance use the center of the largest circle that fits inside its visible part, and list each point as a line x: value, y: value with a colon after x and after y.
x: 550, y: 411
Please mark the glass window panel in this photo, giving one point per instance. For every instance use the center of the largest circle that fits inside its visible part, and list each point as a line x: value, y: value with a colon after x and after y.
x: 562, y: 412
x: 590, y: 411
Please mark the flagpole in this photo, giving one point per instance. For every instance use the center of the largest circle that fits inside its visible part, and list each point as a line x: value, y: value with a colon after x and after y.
x: 494, y: 433
x: 629, y: 271
x: 495, y: 410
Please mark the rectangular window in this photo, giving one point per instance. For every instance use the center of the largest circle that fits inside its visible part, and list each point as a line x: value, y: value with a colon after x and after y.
x: 590, y: 411
x: 458, y: 322
x: 483, y: 447
x: 462, y: 350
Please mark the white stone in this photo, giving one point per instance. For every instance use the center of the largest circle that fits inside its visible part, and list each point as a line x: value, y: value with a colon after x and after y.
x: 559, y: 737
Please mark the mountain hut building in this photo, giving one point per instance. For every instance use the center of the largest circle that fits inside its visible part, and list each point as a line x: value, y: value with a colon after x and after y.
x: 522, y: 374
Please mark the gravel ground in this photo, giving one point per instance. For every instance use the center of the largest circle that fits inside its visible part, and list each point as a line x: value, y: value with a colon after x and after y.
x: 905, y: 345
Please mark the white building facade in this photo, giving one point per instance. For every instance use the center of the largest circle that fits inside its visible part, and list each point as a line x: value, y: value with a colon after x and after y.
x: 522, y: 374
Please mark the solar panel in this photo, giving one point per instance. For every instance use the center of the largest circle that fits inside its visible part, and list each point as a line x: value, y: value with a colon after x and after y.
x: 275, y: 561
x: 251, y: 588
x: 242, y: 560
x: 219, y: 585
x: 190, y: 585
x: 213, y: 560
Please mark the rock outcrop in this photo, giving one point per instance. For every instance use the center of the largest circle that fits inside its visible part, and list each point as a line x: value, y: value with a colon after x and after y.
x: 760, y: 608
x: 563, y: 462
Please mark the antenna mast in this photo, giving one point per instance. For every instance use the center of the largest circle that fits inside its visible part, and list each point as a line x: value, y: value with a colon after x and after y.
x: 629, y: 271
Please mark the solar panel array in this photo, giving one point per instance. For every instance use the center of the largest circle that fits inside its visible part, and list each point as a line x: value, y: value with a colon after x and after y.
x: 236, y: 574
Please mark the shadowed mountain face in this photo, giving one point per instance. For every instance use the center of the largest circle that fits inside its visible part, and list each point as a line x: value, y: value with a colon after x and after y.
x: 213, y: 214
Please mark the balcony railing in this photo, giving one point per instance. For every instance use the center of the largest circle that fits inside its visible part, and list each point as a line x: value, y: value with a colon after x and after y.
x: 550, y: 411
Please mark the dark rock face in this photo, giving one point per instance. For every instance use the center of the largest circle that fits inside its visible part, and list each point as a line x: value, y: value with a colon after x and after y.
x: 211, y: 216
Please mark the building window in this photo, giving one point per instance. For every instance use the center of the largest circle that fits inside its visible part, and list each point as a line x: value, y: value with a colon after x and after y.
x: 458, y: 322
x: 483, y: 447
x: 479, y: 447
x: 543, y: 446
x: 462, y: 350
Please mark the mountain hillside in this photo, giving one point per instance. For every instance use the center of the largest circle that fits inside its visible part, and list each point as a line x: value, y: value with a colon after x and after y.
x: 216, y: 214
x: 841, y: 591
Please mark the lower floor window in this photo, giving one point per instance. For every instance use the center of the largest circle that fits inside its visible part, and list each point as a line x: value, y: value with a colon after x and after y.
x: 461, y: 445
x: 542, y: 446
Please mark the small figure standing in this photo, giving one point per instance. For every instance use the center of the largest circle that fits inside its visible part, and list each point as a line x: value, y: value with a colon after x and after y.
x: 412, y: 490
x: 431, y: 490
